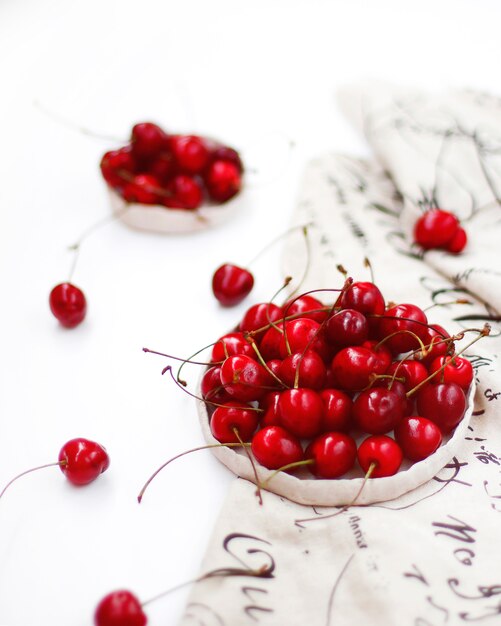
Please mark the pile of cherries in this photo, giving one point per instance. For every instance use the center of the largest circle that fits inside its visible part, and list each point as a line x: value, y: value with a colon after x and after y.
x: 440, y: 230
x: 176, y: 171
x: 303, y: 382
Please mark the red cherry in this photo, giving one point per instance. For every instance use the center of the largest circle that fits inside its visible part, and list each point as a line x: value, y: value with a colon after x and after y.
x: 301, y: 412
x: 444, y: 404
x: 333, y: 454
x: 260, y: 316
x: 224, y: 153
x: 244, y: 378
x: 269, y: 404
x: 118, y: 166
x: 434, y: 343
x: 274, y: 447
x: 458, y: 242
x: 418, y: 437
x: 311, y: 370
x: 347, y: 328
x: 399, y: 388
x: 147, y: 140
x: 270, y: 344
x: 435, y: 229
x: 337, y: 410
x: 233, y: 415
x: 144, y: 188
x: 68, y: 305
x: 306, y: 306
x: 377, y: 410
x: 457, y: 370
x: 162, y: 166
x: 302, y: 334
x: 414, y: 321
x: 190, y: 153
x: 413, y: 372
x: 352, y: 367
x: 231, y: 284
x: 212, y: 388
x: 223, y: 180
x: 383, y: 452
x: 120, y: 608
x: 82, y: 461
x: 230, y: 344
x: 183, y: 192
x: 381, y: 353
x: 364, y: 297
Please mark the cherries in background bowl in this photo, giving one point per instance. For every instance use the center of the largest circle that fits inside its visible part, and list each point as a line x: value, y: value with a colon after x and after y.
x: 170, y: 182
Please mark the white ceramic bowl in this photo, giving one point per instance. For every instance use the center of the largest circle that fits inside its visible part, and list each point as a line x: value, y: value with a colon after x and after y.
x: 159, y: 219
x: 342, y: 491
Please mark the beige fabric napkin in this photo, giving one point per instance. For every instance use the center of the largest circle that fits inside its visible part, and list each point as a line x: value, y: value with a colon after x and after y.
x: 428, y: 558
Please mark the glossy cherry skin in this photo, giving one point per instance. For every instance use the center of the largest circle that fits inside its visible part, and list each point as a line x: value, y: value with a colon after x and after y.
x: 147, y: 140
x: 400, y: 319
x: 435, y: 344
x: 230, y: 344
x: 233, y: 415
x: 333, y: 454
x: 302, y: 334
x: 377, y: 410
x: 301, y: 412
x: 418, y: 437
x: 269, y: 404
x: 244, y: 378
x: 120, y: 608
x: 457, y: 370
x: 306, y: 306
x: 144, y: 189
x: 224, y: 153
x: 444, y: 404
x: 183, y: 192
x: 223, y: 180
x: 190, y: 153
x: 384, y: 452
x: 347, y: 328
x: 231, y: 284
x: 364, y: 297
x: 274, y: 447
x: 312, y: 370
x: 337, y: 410
x: 413, y: 372
x: 352, y: 367
x: 458, y: 243
x: 212, y: 388
x: 435, y: 229
x: 82, y: 461
x: 118, y: 167
x: 259, y: 316
x: 68, y: 305
x: 270, y: 343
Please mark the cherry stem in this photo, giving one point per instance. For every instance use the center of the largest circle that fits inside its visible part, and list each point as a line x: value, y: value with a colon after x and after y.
x: 254, y: 469
x: 263, y: 363
x: 75, y: 247
x: 60, y: 119
x: 224, y: 572
x: 308, y: 260
x: 177, y: 358
x: 33, y: 469
x: 210, y: 345
x: 368, y: 264
x: 168, y: 369
x: 399, y: 332
x: 178, y: 456
x: 484, y: 332
x: 284, y: 468
x: 269, y: 245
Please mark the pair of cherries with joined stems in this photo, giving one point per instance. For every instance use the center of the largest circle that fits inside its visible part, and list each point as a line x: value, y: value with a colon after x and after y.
x: 296, y: 384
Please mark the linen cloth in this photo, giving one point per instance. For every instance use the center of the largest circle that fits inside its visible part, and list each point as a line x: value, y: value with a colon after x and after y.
x: 431, y: 556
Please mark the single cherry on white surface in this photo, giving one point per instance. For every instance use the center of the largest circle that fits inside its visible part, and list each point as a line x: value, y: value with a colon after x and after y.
x: 68, y: 304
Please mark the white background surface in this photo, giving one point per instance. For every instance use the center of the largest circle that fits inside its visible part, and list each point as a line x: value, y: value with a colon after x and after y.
x: 243, y: 72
